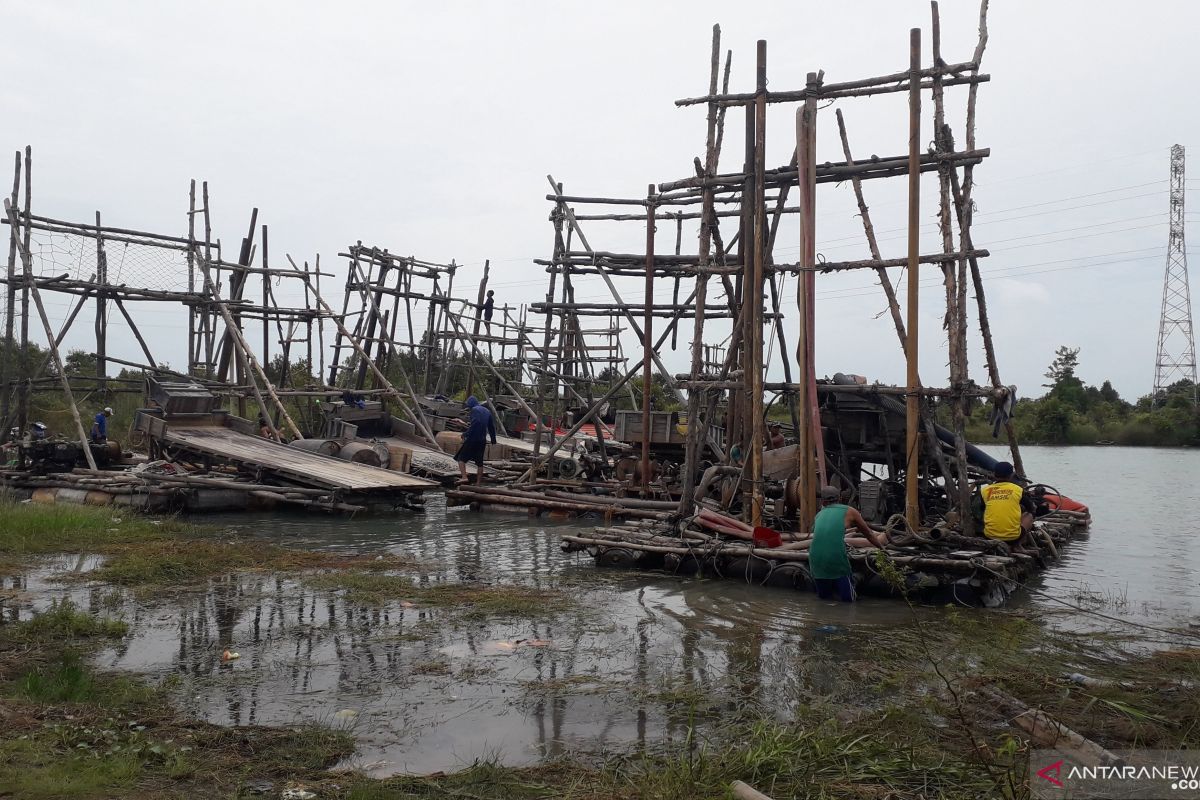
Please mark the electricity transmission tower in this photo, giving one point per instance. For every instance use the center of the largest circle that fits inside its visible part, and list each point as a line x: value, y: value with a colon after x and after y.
x: 1176, y: 358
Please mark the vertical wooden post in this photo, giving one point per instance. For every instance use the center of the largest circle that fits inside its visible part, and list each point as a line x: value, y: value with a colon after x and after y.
x: 754, y: 293
x: 808, y: 435
x: 7, y: 371
x: 27, y: 273
x: 266, y: 306
x: 193, y: 353
x: 475, y: 328
x: 209, y: 320
x: 320, y: 323
x: 695, y: 441
x: 560, y: 211
x: 101, y: 306
x: 374, y: 319
x: 913, y: 404
x: 335, y: 366
x: 10, y: 212
x: 647, y: 340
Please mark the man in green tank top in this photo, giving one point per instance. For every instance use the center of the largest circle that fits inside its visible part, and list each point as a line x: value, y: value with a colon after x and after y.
x: 827, y: 559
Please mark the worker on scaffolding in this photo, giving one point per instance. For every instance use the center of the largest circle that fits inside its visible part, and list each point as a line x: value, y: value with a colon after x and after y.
x: 475, y: 439
x: 100, y: 426
x: 489, y: 306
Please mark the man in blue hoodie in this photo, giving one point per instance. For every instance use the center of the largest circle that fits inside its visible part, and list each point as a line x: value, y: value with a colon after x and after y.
x: 475, y: 439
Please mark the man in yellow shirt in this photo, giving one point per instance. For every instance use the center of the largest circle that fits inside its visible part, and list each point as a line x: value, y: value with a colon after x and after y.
x: 1007, y: 509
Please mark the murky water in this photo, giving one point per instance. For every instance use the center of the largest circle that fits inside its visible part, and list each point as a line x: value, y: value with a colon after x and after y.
x: 1141, y: 561
x: 429, y: 688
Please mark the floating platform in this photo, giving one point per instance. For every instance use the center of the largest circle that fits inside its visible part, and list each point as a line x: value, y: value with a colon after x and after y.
x: 931, y: 566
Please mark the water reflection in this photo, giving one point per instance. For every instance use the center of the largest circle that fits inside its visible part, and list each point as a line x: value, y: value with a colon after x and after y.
x: 641, y: 656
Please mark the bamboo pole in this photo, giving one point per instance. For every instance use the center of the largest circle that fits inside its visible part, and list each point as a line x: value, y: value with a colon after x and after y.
x: 647, y: 327
x: 864, y: 213
x: 342, y: 332
x: 475, y: 327
x: 209, y: 323
x: 193, y: 352
x: 248, y: 361
x: 595, y: 408
x: 26, y: 259
x: 754, y: 293
x: 27, y: 274
x: 10, y: 305
x: 913, y: 411
x: 955, y: 315
x: 559, y: 249
x: 132, y: 327
x: 805, y: 296
x: 694, y: 443
x: 101, y: 304
x: 416, y: 412
x: 320, y: 322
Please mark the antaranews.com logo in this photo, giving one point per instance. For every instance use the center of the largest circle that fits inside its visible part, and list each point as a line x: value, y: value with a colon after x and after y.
x: 1132, y: 774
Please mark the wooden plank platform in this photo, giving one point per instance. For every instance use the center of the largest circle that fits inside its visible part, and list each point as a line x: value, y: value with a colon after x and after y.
x: 300, y: 466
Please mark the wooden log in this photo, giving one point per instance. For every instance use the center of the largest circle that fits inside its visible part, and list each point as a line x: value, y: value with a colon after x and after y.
x: 911, y: 472
x: 556, y: 505
x: 743, y: 791
x: 1049, y: 732
x: 832, y: 92
x: 627, y: 502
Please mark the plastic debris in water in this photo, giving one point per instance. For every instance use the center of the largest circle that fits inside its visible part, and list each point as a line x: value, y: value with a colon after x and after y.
x: 345, y: 714
x: 828, y: 629
x: 229, y: 655
x: 513, y: 645
x: 298, y: 794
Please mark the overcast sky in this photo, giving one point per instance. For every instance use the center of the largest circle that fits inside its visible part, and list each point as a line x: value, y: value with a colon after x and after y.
x: 429, y: 129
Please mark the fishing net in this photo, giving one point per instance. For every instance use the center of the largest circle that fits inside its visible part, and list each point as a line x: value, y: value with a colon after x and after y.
x: 137, y: 265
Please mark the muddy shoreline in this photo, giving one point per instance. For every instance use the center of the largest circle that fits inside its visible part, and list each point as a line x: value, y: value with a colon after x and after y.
x: 486, y: 656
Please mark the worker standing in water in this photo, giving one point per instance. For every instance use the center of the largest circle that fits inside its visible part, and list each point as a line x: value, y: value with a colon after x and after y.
x: 827, y: 559
x: 475, y: 440
x: 100, y: 426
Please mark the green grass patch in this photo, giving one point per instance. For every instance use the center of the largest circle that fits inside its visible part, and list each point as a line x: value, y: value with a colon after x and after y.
x: 67, y: 679
x: 35, y: 529
x: 64, y: 620
x: 362, y: 587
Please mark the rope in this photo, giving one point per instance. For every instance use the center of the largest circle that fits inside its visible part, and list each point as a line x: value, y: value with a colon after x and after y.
x: 1108, y: 617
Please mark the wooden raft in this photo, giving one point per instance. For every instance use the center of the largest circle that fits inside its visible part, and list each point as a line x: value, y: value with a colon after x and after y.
x: 299, y: 466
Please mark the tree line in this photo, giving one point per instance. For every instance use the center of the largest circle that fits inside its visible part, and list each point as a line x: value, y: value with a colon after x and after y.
x: 1072, y: 412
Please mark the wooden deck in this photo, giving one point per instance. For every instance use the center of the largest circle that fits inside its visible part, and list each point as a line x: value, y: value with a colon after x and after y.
x: 298, y: 466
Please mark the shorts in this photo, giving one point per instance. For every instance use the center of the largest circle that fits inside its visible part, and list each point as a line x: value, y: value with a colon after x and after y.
x: 471, y: 451
x: 844, y: 586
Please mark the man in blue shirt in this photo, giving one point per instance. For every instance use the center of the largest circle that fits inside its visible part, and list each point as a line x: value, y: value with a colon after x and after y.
x: 475, y: 440
x: 100, y: 426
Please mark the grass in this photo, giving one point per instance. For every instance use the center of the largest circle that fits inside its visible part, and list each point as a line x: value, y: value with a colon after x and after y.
x: 35, y: 529
x: 152, y: 553
x: 70, y: 731
x: 64, y: 620
x: 902, y: 719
